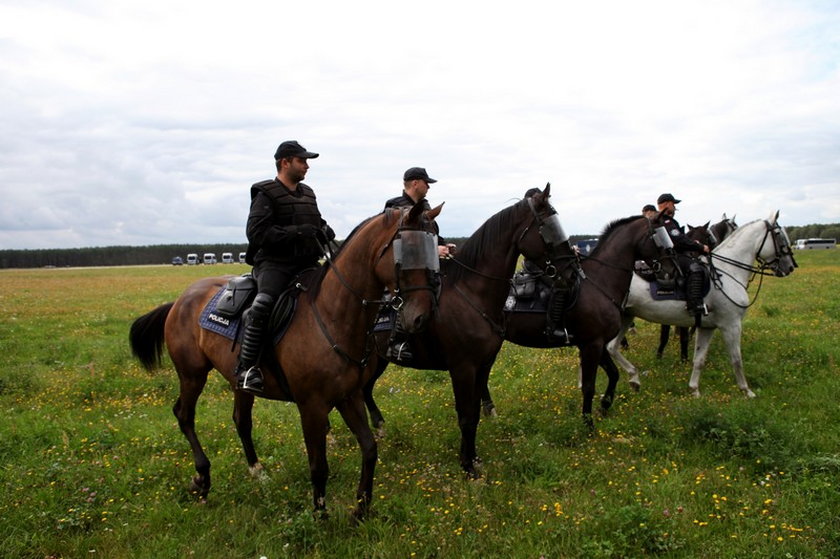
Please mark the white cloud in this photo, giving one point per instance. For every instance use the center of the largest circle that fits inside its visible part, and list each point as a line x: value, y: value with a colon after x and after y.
x: 145, y: 123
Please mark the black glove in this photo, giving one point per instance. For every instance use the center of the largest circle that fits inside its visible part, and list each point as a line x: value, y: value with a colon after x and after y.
x: 308, y: 230
x: 326, y: 234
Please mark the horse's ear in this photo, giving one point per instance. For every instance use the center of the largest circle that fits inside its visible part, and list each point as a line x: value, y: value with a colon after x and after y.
x: 774, y: 217
x: 434, y: 212
x: 547, y: 191
x: 723, y: 217
x: 707, y: 224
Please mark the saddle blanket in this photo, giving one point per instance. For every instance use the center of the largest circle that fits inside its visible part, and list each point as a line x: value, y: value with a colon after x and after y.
x: 210, y: 320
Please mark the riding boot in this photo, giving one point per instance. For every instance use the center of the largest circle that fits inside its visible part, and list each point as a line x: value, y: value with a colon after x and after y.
x: 556, y: 326
x: 694, y: 295
x: 399, y: 351
x: 249, y: 377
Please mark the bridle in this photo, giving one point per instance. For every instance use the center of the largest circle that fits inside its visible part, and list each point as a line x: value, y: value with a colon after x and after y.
x: 781, y: 248
x: 396, y: 301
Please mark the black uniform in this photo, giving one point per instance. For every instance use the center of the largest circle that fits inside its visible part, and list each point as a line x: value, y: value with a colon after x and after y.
x: 694, y: 272
x: 405, y: 201
x: 285, y: 234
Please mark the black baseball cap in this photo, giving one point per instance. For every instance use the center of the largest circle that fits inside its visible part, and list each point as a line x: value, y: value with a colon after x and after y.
x: 667, y: 197
x: 291, y: 148
x: 417, y: 173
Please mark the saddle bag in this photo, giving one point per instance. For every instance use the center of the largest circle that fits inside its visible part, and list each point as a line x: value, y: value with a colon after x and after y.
x: 524, y: 285
x: 238, y: 294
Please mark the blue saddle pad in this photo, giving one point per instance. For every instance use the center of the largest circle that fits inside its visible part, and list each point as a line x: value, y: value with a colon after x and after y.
x: 385, y: 320
x: 210, y: 320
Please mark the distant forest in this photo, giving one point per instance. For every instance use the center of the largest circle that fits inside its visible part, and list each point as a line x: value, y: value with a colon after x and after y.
x: 163, y: 254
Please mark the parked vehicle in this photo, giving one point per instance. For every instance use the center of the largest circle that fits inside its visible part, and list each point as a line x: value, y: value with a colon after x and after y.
x: 227, y: 258
x: 192, y: 259
x: 177, y: 261
x: 813, y: 244
x: 242, y: 258
x: 586, y: 246
x: 209, y: 257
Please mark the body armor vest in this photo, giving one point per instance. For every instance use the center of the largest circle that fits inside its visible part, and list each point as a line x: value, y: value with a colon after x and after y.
x: 290, y: 209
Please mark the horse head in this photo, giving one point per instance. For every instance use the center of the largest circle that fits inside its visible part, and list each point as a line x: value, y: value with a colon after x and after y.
x: 702, y: 234
x: 776, y: 254
x: 543, y: 241
x: 412, y: 273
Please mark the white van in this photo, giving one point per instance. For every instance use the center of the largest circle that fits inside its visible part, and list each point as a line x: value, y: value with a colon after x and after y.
x: 209, y: 257
x: 242, y: 258
x: 192, y: 259
x: 227, y: 258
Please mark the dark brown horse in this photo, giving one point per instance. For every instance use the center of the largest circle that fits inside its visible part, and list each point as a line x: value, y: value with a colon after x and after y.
x: 322, y: 356
x: 711, y: 236
x: 595, y: 318
x: 467, y: 332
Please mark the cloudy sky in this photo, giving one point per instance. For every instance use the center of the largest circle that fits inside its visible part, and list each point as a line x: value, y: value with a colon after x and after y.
x: 145, y: 122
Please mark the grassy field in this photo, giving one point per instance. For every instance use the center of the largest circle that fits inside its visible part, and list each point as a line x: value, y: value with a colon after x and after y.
x: 93, y: 464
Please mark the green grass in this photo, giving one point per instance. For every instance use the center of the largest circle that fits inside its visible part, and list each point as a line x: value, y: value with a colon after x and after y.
x: 93, y: 465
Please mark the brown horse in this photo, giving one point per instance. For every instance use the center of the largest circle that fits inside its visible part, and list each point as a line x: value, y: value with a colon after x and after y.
x: 595, y: 318
x: 468, y: 329
x: 320, y: 362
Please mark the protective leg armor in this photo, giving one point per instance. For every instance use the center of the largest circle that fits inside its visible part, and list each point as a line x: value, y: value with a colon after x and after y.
x: 249, y: 377
x: 399, y: 351
x: 556, y: 316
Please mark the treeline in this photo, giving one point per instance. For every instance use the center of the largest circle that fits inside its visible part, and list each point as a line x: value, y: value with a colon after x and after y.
x: 163, y: 254
x: 814, y: 231
x: 110, y: 256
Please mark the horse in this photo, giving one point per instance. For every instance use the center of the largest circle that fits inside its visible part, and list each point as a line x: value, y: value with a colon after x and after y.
x: 711, y: 236
x: 467, y: 332
x: 595, y: 318
x: 321, y: 359
x: 732, y: 269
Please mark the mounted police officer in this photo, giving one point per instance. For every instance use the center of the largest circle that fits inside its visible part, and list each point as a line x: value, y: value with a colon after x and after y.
x: 286, y: 235
x: 687, y: 251
x: 416, y: 182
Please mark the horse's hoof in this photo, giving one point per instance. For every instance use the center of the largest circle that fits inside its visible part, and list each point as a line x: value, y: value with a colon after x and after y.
x: 199, y: 488
x: 379, y: 434
x: 749, y: 393
x: 258, y: 471
x: 490, y: 411
x: 635, y: 385
x: 695, y: 392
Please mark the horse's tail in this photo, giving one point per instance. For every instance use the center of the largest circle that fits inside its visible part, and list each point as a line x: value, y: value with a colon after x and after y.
x: 146, y: 336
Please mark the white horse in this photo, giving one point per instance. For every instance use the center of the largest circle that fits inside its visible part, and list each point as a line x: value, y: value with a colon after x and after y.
x: 732, y: 266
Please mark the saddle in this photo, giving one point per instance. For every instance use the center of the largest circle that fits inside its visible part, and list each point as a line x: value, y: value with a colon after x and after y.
x: 224, y: 312
x: 674, y: 289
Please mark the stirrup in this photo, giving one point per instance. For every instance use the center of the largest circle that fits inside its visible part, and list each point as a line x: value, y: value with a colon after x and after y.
x: 250, y: 380
x: 399, y: 353
x: 560, y: 335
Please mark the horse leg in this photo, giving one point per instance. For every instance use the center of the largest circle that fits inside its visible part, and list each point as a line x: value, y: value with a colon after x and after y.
x: 243, y: 404
x: 313, y: 418
x: 684, y: 336
x: 732, y: 338
x: 353, y: 411
x: 701, y: 349
x: 184, y: 410
x: 376, y: 419
x: 664, y: 334
x: 465, y: 389
x: 589, y: 358
x: 615, y: 353
x: 487, y: 405
x: 612, y: 374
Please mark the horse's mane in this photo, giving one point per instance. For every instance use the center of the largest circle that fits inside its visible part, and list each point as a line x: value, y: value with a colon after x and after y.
x: 317, y: 277
x: 485, y: 239
x: 611, y: 228
x: 732, y: 237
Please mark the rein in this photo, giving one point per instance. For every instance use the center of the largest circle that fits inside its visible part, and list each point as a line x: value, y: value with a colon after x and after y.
x: 760, y: 270
x: 396, y: 302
